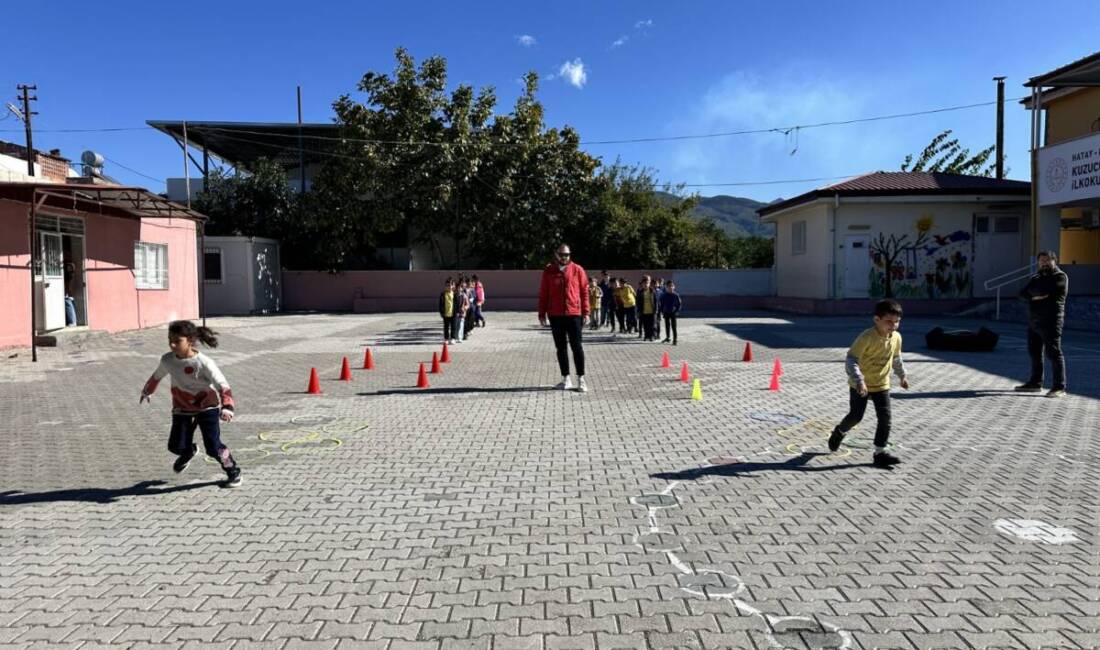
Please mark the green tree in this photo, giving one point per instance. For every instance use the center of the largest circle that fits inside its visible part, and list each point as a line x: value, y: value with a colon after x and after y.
x: 949, y: 157
x: 751, y: 252
x: 253, y: 203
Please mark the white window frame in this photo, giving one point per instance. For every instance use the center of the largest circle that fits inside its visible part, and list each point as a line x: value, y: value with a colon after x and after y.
x: 798, y: 237
x: 210, y: 250
x: 150, y: 274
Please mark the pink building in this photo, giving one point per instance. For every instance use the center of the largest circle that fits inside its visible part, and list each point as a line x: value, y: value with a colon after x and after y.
x: 107, y: 257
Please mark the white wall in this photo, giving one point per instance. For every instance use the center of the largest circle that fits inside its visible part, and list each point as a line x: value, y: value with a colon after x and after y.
x: 805, y: 275
x: 251, y: 277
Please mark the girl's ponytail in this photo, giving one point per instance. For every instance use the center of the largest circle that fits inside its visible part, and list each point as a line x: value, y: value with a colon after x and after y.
x: 208, y: 336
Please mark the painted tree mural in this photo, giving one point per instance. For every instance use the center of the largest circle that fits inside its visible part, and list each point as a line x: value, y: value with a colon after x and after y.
x: 888, y: 250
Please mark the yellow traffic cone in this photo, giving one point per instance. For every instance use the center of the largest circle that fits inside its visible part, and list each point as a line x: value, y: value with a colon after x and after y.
x: 696, y: 391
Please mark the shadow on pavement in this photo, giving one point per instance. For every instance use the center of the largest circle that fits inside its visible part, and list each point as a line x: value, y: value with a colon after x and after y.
x: 795, y: 464
x: 951, y: 394
x: 98, y: 495
x: 455, y: 390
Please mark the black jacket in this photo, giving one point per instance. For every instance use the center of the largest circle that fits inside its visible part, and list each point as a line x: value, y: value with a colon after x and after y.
x: 1054, y: 285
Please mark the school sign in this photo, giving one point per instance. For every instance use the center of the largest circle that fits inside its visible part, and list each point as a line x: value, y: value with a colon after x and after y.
x: 1070, y: 171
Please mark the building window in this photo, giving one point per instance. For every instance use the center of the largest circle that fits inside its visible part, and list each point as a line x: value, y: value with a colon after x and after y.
x: 150, y: 265
x: 212, y: 265
x: 798, y: 238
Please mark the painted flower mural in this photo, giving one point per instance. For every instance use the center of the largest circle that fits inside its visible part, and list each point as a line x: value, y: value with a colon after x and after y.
x: 900, y: 269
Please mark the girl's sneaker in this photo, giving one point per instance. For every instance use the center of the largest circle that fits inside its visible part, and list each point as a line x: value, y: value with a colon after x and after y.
x: 885, y: 459
x: 183, y: 461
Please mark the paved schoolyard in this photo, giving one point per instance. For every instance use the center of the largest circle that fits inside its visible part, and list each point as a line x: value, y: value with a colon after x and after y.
x: 491, y: 512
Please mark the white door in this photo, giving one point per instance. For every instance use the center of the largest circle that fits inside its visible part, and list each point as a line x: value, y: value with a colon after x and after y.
x: 51, y: 284
x: 857, y: 266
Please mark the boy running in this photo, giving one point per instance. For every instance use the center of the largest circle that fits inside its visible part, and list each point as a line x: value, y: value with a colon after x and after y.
x: 873, y: 354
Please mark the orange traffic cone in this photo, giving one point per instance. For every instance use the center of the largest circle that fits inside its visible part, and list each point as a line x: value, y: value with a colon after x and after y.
x: 314, y: 383
x: 774, y: 386
x: 446, y: 356
x: 435, y: 364
x: 748, y: 352
x: 777, y: 369
x: 422, y: 378
x: 665, y: 361
x: 345, y: 371
x: 368, y: 360
x: 684, y: 373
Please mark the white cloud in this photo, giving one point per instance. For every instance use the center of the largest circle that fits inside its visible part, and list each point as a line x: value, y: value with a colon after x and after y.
x: 619, y: 42
x: 643, y: 24
x: 526, y: 40
x: 574, y: 72
x: 744, y: 101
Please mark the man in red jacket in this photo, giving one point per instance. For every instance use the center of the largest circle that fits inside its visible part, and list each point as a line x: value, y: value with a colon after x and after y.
x: 563, y: 297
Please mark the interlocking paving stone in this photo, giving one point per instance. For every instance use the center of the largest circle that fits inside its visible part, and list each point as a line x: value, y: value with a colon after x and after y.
x: 490, y: 512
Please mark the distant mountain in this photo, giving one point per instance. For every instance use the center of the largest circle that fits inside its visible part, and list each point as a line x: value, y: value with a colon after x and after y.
x: 733, y: 214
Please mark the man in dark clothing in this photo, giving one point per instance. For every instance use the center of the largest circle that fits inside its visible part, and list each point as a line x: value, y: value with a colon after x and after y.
x: 1046, y: 295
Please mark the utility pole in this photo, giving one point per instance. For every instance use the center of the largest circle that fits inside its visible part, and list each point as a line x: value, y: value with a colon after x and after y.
x: 27, y: 113
x: 301, y: 153
x: 1000, y: 126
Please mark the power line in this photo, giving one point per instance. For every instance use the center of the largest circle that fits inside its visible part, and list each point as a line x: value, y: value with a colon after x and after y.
x: 134, y: 171
x: 672, y: 138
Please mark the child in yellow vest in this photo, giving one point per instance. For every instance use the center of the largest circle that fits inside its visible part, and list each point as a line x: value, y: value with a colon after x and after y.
x: 872, y: 356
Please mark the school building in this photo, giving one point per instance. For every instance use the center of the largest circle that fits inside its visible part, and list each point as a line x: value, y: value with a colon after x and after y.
x: 106, y: 257
x: 917, y: 236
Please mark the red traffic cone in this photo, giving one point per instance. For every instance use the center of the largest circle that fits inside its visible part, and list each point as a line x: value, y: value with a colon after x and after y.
x: 748, y: 352
x: 345, y: 371
x: 435, y: 364
x: 777, y: 369
x: 665, y: 361
x: 684, y: 373
x: 422, y: 378
x: 774, y: 386
x: 368, y: 360
x: 446, y: 356
x: 314, y: 382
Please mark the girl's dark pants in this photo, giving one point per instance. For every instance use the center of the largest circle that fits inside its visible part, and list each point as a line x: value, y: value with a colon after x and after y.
x: 448, y: 328
x: 857, y: 405
x: 181, y: 441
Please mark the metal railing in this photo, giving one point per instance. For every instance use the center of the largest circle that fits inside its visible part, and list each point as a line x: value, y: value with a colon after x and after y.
x: 1015, y: 275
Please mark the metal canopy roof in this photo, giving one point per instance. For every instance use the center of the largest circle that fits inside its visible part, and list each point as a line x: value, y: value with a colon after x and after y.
x: 121, y: 201
x: 242, y: 143
x: 1082, y: 72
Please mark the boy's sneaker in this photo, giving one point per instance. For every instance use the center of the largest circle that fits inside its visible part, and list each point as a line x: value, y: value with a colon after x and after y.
x: 835, y: 439
x: 885, y: 459
x: 1057, y: 392
x: 582, y: 387
x: 1029, y: 388
x: 233, y: 477
x: 183, y: 461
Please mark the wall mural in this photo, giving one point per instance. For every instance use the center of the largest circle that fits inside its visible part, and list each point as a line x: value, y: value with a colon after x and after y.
x: 927, y: 265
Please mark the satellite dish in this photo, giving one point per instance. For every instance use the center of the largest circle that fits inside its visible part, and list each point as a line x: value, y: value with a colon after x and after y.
x: 15, y: 111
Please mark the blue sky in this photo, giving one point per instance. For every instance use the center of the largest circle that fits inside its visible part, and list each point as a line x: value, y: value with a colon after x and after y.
x: 619, y: 70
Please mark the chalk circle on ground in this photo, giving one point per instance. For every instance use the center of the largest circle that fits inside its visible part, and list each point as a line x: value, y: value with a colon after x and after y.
x: 786, y: 419
x: 345, y: 429
x: 712, y: 583
x: 1033, y: 530
x: 807, y: 632
x: 659, y: 541
x: 796, y: 449
x: 656, y: 500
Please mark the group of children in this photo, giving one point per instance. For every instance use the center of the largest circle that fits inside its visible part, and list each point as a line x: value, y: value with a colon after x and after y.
x: 614, y: 300
x: 460, y: 307
x: 201, y: 396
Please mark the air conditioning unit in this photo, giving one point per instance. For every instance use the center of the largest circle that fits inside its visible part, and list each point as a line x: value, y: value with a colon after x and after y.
x: 1090, y: 218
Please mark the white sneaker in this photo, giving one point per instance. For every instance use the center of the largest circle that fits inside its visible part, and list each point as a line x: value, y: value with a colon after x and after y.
x: 581, y: 386
x: 566, y: 383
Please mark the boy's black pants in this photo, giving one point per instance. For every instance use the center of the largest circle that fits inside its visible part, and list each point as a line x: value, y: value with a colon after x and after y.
x: 857, y: 405
x: 448, y: 328
x: 670, y: 326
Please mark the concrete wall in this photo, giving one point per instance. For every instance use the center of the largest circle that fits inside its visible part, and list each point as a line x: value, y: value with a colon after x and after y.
x: 805, y: 275
x: 114, y: 304
x: 15, y: 295
x: 386, y: 291
x: 251, y: 277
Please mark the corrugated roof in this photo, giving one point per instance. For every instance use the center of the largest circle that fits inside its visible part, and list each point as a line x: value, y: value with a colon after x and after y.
x: 906, y: 183
x: 1082, y: 72
x: 132, y: 202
